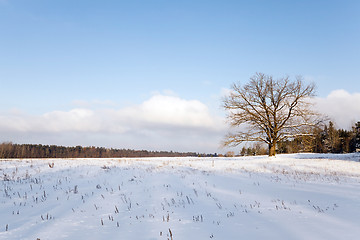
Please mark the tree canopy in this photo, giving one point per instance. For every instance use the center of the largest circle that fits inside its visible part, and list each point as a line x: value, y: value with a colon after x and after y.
x: 269, y: 110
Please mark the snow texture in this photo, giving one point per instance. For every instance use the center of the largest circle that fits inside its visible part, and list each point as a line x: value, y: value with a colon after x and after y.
x: 296, y: 196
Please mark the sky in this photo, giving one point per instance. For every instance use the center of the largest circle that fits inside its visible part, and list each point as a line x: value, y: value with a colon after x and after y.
x: 152, y: 74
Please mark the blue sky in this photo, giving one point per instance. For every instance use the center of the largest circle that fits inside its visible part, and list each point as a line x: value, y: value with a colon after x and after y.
x: 100, y: 56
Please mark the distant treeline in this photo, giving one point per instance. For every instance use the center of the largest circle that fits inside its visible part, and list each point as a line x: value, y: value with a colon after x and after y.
x: 325, y: 139
x: 10, y: 150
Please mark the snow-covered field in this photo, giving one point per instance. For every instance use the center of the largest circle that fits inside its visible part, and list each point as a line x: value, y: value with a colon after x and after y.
x: 298, y: 196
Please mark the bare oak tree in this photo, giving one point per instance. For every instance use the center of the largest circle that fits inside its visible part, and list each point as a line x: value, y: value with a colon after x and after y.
x: 269, y: 110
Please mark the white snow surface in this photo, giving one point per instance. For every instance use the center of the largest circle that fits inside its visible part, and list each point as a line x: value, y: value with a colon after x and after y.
x: 294, y: 196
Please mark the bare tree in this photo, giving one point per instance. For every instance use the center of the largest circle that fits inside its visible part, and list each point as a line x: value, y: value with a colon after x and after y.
x: 269, y: 110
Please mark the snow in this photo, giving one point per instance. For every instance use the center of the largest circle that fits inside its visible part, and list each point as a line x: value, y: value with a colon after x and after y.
x: 295, y: 196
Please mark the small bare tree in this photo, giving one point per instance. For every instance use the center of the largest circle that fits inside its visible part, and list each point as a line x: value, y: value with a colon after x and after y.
x: 269, y: 110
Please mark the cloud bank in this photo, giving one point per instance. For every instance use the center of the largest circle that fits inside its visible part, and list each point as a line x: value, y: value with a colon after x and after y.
x: 161, y: 123
x: 342, y: 107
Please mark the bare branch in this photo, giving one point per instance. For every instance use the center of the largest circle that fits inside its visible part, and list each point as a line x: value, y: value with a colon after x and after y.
x: 272, y: 109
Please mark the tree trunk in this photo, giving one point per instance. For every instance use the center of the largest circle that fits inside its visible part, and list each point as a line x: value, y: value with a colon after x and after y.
x: 272, y: 149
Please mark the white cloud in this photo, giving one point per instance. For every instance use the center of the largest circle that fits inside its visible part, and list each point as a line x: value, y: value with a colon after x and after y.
x: 341, y: 106
x: 158, y: 111
x: 170, y: 111
x: 75, y: 119
x: 162, y: 120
